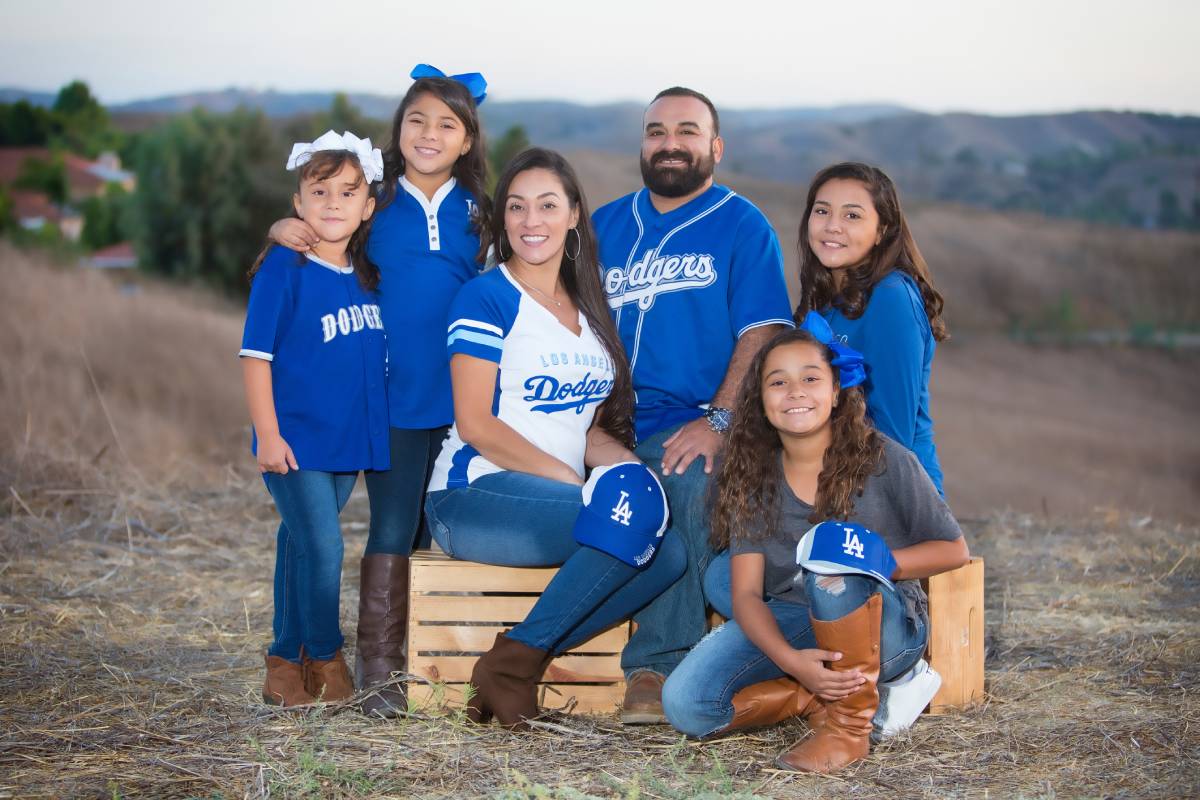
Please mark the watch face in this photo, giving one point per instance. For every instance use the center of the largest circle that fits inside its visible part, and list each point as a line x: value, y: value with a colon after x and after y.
x: 719, y: 419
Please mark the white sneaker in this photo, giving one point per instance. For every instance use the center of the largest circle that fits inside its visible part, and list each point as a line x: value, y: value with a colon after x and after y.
x: 902, y: 700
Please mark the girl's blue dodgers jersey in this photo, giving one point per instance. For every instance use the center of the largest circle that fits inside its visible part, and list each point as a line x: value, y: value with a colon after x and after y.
x: 683, y: 286
x: 324, y: 337
x: 549, y: 383
x: 425, y: 250
x: 894, y: 336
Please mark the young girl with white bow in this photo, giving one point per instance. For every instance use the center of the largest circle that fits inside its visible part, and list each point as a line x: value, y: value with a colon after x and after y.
x: 314, y: 363
x: 425, y: 239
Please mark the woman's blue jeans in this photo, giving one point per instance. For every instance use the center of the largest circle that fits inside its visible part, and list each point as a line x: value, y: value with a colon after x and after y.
x: 308, y: 561
x: 514, y: 519
x: 698, y: 695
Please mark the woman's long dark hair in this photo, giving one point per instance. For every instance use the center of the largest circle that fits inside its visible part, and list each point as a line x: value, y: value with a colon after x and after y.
x: 896, y: 250
x: 322, y: 166
x: 470, y: 170
x: 580, y: 276
x: 746, y: 504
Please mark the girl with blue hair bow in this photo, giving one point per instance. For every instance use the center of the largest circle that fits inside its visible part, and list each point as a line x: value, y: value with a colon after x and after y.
x: 801, y: 451
x: 424, y: 238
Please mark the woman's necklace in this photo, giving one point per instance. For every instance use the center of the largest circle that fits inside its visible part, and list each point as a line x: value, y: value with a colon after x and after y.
x: 534, y: 288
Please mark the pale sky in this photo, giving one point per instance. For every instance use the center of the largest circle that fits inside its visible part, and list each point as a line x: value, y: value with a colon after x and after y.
x: 1005, y: 57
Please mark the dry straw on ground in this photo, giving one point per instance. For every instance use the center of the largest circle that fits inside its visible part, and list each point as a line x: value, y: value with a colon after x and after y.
x: 135, y: 605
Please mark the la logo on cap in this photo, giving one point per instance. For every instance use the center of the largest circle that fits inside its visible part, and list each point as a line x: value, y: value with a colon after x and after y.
x: 622, y: 512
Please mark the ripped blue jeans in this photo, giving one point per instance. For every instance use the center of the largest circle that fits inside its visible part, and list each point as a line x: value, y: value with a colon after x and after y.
x: 698, y: 695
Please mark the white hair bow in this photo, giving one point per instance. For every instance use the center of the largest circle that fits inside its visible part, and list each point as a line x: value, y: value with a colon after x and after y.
x: 369, y: 157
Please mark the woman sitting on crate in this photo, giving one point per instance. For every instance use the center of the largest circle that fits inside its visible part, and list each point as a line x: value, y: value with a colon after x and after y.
x: 542, y: 393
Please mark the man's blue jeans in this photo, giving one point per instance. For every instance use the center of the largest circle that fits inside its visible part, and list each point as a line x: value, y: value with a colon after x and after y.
x: 697, y: 697
x: 308, y: 561
x: 519, y: 520
x: 672, y: 624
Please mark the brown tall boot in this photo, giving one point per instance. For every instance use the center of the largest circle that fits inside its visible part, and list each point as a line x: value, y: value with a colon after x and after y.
x: 845, y: 736
x: 285, y: 683
x: 329, y: 679
x: 382, y: 622
x: 505, y: 680
x: 769, y: 702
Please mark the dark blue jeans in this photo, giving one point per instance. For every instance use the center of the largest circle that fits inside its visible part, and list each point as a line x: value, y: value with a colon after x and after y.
x: 308, y: 561
x: 672, y: 624
x: 518, y: 520
x: 397, y: 495
x: 697, y: 697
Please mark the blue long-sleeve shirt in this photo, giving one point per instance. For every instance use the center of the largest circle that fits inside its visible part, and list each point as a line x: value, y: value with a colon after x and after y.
x: 894, y: 336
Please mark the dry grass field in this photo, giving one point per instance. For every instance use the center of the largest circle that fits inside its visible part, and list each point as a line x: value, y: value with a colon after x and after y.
x: 136, y: 554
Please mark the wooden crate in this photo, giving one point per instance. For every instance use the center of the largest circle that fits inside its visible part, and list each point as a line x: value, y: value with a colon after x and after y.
x: 455, y: 610
x: 956, y: 635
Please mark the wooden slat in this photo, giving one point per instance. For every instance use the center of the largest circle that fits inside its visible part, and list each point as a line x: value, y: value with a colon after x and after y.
x: 440, y: 608
x: 480, y: 638
x: 589, y: 699
x: 566, y: 669
x: 467, y: 576
x: 956, y: 635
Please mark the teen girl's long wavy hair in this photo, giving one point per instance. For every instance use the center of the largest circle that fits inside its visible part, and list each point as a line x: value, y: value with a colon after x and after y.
x: 580, y: 276
x: 470, y: 170
x: 897, y: 250
x: 322, y: 166
x: 746, y: 503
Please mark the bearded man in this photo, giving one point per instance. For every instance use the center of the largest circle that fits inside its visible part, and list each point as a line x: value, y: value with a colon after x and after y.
x: 694, y: 278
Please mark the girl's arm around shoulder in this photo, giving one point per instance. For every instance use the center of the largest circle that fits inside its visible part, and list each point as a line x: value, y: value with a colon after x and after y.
x: 294, y: 234
x: 474, y: 381
x: 759, y: 625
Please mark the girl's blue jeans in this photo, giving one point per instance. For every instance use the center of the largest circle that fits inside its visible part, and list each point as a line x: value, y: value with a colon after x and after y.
x: 398, y: 494
x: 308, y: 561
x: 515, y: 519
x: 698, y: 695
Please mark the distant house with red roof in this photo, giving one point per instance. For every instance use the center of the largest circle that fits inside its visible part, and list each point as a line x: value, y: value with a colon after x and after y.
x: 84, y: 179
x: 115, y: 256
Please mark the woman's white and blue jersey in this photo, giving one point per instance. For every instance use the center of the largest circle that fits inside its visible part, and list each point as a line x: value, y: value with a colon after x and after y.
x: 425, y: 250
x: 323, y: 334
x: 549, y: 381
x: 683, y: 286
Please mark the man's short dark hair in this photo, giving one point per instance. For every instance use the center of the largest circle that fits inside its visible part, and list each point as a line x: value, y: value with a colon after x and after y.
x: 683, y: 91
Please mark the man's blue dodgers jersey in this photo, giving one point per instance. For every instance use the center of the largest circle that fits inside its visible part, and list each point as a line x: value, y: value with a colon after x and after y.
x: 550, y: 381
x: 683, y: 286
x: 323, y: 335
x: 425, y: 250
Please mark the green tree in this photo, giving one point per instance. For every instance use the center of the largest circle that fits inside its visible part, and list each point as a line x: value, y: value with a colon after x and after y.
x: 8, y: 220
x: 47, y: 176
x: 503, y: 149
x: 106, y: 218
x: 23, y: 124
x: 209, y: 186
x: 342, y: 116
x: 81, y: 122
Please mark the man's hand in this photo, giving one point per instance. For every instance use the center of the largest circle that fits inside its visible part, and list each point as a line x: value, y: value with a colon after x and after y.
x: 689, y: 442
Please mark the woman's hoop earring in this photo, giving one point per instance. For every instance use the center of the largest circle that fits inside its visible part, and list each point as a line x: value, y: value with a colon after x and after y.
x: 578, y: 244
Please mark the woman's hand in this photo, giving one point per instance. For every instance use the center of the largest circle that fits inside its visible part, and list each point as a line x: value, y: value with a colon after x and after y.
x: 275, y: 455
x: 808, y: 667
x: 294, y: 234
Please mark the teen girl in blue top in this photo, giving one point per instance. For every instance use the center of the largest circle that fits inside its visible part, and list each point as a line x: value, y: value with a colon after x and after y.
x: 541, y: 393
x: 860, y: 269
x: 314, y: 363
x: 425, y: 240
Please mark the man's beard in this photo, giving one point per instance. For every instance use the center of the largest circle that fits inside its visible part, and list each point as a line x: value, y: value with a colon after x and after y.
x: 677, y: 182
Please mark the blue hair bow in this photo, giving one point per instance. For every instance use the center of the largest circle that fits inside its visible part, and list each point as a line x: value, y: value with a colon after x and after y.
x: 852, y: 369
x: 474, y: 81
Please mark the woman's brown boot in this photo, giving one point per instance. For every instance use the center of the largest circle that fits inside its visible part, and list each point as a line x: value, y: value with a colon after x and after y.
x: 329, y: 680
x: 285, y: 683
x: 505, y: 681
x: 846, y: 735
x: 382, y: 621
x: 773, y: 701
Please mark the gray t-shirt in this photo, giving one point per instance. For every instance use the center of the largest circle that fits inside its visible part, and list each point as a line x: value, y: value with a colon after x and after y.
x: 901, y: 505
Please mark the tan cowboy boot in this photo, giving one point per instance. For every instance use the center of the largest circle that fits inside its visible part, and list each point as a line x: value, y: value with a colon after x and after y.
x: 773, y: 701
x: 285, y: 683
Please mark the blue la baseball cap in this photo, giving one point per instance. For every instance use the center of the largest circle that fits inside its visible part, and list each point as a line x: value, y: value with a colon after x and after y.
x: 845, y: 548
x: 624, y: 512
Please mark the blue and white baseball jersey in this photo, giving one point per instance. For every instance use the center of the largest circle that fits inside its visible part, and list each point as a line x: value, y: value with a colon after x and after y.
x: 425, y: 250
x: 549, y: 382
x: 323, y: 334
x: 683, y: 286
